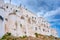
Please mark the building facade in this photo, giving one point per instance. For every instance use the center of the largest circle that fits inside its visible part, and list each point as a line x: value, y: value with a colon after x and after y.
x: 19, y: 22
x: 53, y: 32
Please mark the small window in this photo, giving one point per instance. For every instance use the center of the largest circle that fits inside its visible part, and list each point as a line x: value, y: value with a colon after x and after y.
x: 26, y: 15
x: 16, y: 24
x: 44, y: 25
x: 39, y: 27
x: 29, y: 20
x: 14, y: 29
x: 47, y: 26
x: 34, y: 21
x: 20, y: 25
x: 35, y: 28
x: 25, y: 32
x: 48, y: 31
x: 41, y: 24
x: 43, y: 29
x: 26, y: 8
x: 6, y: 19
x: 11, y: 8
x: 42, y: 21
x: 16, y: 10
x: 22, y: 17
x: 35, y: 17
x: 32, y: 17
x: 6, y: 6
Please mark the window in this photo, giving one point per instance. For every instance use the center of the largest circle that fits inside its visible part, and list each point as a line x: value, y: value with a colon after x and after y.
x: 6, y: 6
x: 48, y: 30
x: 22, y: 17
x: 47, y: 26
x: 16, y: 24
x: 11, y: 8
x: 26, y: 15
x: 26, y: 8
x: 32, y: 17
x: 20, y: 25
x: 42, y: 20
x: 6, y: 19
x: 41, y: 24
x: 16, y: 10
x: 35, y: 17
x: 43, y: 29
x: 44, y: 25
x: 25, y: 32
x: 29, y: 20
x: 33, y: 21
x: 35, y: 28
x: 39, y: 27
x: 14, y: 29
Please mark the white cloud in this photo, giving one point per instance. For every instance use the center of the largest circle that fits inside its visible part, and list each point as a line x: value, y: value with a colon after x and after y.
x: 52, y: 13
x: 54, y: 20
x: 6, y: 1
x: 49, y: 15
x: 54, y: 24
x: 40, y: 14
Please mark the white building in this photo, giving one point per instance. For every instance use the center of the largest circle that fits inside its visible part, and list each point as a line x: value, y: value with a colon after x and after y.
x: 53, y: 32
x: 19, y: 22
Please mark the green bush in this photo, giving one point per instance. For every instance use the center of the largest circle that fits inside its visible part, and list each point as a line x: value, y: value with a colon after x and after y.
x: 36, y: 34
x: 23, y: 36
x: 6, y: 36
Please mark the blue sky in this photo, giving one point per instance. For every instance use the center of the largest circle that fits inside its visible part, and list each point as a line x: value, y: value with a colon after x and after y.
x: 49, y: 9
